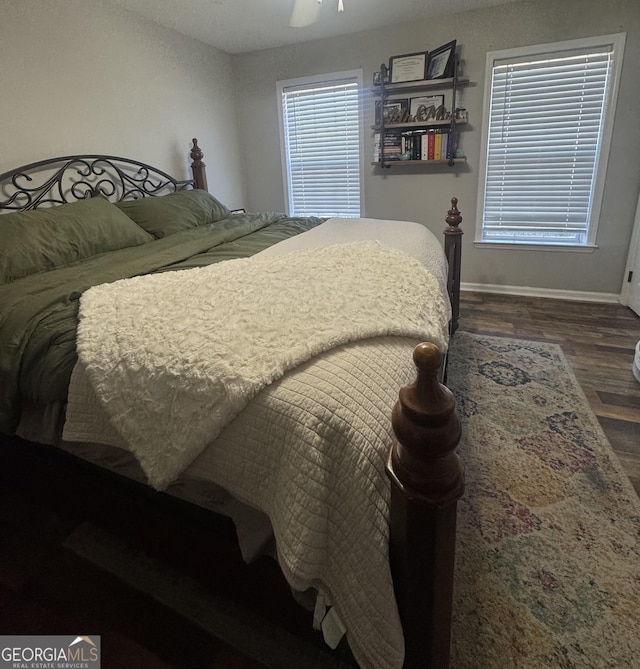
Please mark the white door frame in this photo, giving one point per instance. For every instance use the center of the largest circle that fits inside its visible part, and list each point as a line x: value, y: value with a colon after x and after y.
x: 633, y: 260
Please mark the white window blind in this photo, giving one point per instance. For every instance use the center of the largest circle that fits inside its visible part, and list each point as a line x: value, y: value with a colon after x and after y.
x: 321, y: 135
x: 546, y: 121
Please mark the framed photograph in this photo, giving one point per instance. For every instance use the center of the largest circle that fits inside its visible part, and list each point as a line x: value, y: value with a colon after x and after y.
x: 377, y: 78
x: 394, y: 111
x: 426, y: 107
x: 440, y: 65
x: 408, y: 67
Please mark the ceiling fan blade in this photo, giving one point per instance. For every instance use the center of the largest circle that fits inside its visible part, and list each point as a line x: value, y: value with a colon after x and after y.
x: 305, y: 12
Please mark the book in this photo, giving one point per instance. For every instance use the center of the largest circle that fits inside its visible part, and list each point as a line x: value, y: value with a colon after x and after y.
x: 391, y: 144
x: 437, y: 147
x: 454, y: 139
x: 431, y: 144
x: 414, y: 143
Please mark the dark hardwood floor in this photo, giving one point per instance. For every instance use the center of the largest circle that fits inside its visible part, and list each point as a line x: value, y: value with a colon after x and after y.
x: 599, y: 342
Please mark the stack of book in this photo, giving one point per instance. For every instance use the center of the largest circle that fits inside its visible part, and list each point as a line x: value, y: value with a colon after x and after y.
x: 432, y: 144
x: 392, y: 146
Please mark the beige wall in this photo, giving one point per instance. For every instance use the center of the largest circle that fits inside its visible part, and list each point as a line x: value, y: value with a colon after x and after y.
x: 83, y: 76
x: 422, y: 193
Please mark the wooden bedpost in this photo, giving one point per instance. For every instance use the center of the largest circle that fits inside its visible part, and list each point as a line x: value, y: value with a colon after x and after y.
x: 453, y: 252
x: 198, y: 168
x: 427, y: 479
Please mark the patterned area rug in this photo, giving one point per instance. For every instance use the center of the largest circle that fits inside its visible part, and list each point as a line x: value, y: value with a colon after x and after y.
x: 548, y: 546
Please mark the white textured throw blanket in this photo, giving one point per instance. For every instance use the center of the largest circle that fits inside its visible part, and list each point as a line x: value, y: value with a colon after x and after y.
x: 174, y: 357
x: 309, y: 449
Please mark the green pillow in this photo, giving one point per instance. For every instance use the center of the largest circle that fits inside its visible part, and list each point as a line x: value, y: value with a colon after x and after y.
x: 42, y: 239
x: 162, y: 216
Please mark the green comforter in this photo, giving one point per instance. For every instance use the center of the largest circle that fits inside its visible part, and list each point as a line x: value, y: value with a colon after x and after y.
x: 39, y: 313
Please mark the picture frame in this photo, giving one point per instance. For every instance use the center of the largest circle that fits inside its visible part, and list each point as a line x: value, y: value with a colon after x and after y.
x: 408, y: 67
x: 441, y: 61
x: 377, y: 78
x: 394, y: 111
x: 419, y: 106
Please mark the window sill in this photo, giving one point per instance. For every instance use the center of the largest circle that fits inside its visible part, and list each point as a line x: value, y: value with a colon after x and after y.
x: 515, y: 246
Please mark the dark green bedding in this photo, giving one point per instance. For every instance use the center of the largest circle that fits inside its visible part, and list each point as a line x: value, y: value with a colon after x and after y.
x: 38, y: 313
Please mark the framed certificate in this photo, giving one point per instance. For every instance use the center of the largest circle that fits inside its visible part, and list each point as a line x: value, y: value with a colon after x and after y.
x: 409, y: 67
x: 420, y: 108
x: 441, y: 61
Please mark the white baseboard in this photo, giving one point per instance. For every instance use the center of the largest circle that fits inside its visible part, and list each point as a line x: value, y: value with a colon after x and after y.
x: 553, y: 293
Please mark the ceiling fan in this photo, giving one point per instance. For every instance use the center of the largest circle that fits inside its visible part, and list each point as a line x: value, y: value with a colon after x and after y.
x: 306, y: 12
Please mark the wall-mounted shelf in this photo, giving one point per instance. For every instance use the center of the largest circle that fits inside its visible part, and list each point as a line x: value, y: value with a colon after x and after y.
x: 413, y: 139
x: 402, y: 163
x: 421, y: 84
x: 416, y: 125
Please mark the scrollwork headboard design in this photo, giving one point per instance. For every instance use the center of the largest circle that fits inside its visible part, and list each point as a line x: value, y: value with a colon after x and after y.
x: 70, y: 178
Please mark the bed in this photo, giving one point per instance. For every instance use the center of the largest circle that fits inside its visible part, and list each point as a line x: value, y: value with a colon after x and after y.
x: 115, y: 295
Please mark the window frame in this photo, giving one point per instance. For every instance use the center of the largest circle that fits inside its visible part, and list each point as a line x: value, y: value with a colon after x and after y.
x: 616, y: 43
x: 328, y: 78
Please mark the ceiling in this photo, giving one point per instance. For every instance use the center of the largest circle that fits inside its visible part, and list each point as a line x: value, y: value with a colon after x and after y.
x: 240, y: 26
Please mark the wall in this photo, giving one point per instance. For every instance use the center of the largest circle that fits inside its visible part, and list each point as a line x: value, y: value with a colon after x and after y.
x: 422, y: 194
x: 82, y: 76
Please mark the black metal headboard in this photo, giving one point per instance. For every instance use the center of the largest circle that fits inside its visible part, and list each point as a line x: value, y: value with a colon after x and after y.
x: 70, y: 178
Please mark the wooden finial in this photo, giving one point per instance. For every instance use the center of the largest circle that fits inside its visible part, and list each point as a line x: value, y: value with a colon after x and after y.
x: 423, y: 461
x: 198, y: 167
x: 453, y: 218
x: 196, y: 153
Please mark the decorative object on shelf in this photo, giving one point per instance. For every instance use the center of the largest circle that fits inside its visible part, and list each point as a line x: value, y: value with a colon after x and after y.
x: 419, y: 104
x: 408, y: 67
x: 393, y: 111
x: 441, y: 61
x: 461, y: 115
x: 377, y: 78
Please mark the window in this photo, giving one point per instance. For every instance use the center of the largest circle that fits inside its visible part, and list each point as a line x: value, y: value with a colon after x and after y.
x: 548, y: 118
x: 321, y: 144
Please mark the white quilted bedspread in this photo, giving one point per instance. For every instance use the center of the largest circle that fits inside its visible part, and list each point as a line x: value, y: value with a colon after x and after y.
x: 309, y: 448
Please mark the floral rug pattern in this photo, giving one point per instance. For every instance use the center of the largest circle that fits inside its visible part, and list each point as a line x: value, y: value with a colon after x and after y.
x: 548, y: 544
